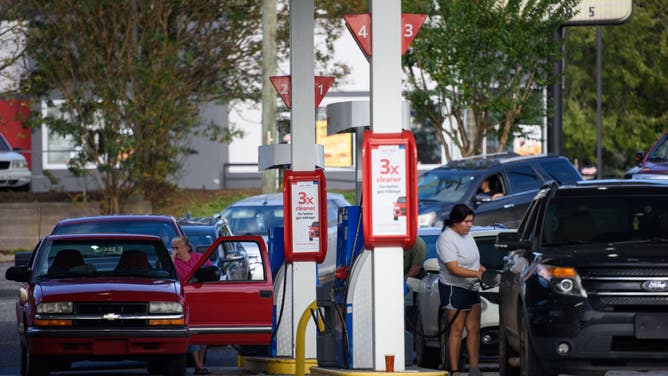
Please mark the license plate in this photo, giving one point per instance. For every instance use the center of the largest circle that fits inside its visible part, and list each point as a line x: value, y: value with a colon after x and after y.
x: 652, y: 326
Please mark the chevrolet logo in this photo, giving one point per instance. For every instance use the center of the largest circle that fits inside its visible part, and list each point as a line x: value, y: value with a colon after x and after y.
x: 655, y: 285
x: 111, y: 316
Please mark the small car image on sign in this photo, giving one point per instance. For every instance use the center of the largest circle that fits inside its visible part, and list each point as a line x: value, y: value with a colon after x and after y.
x: 314, y: 230
x: 399, y: 207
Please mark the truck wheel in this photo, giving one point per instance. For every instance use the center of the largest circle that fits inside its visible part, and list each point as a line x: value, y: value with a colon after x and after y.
x: 505, y: 368
x: 36, y: 365
x: 446, y: 362
x: 425, y: 356
x: 529, y: 365
x: 24, y: 359
x: 174, y: 365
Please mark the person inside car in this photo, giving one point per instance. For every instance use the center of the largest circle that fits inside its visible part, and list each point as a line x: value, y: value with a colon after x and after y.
x: 486, y: 190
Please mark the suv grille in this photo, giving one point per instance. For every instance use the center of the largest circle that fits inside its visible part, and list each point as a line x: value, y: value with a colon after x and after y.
x: 4, y: 165
x: 621, y: 289
x: 97, y: 311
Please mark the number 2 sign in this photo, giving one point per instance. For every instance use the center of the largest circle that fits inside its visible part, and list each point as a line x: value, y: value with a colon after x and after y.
x: 305, y: 216
x: 389, y: 189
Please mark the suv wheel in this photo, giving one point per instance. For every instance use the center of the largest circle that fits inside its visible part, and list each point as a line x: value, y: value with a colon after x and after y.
x: 528, y: 361
x: 36, y: 365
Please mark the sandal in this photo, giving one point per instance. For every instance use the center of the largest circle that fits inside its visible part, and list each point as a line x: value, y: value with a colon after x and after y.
x: 202, y: 371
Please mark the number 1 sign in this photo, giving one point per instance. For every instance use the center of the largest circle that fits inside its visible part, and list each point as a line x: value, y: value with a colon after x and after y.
x: 305, y: 216
x: 389, y: 189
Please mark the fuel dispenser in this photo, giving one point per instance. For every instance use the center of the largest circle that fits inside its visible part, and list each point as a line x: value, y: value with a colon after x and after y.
x: 346, y: 306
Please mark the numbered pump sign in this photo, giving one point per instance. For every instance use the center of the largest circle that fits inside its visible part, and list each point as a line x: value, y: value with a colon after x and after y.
x: 305, y: 217
x: 389, y: 189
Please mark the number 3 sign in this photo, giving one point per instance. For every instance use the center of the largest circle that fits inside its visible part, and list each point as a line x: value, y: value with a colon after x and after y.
x: 305, y: 216
x: 389, y: 189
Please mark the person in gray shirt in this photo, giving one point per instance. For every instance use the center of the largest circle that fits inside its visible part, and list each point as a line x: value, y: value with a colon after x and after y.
x: 459, y: 287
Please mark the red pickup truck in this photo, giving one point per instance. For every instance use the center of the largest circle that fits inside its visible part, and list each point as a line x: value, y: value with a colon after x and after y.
x: 117, y: 296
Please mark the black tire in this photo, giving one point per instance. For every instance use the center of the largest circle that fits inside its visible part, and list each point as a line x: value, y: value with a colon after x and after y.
x: 425, y: 356
x: 254, y: 350
x: 174, y: 365
x: 505, y: 353
x: 529, y: 364
x: 36, y: 365
x: 444, y: 356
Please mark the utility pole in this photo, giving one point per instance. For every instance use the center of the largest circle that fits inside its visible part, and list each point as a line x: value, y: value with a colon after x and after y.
x: 269, y: 127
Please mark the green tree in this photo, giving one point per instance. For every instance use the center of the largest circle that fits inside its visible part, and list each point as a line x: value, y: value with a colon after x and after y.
x: 477, y: 68
x: 634, y: 101
x: 133, y: 75
x: 12, y: 35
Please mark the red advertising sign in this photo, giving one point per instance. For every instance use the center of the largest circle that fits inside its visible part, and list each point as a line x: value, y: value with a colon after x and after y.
x: 359, y: 26
x: 389, y: 189
x: 305, y: 216
x: 282, y: 84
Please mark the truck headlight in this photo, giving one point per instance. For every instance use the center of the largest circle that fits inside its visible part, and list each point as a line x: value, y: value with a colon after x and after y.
x: 427, y: 219
x: 165, y: 307
x: 565, y: 281
x: 55, y: 307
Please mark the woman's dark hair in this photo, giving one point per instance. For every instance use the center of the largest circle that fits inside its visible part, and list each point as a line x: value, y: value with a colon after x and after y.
x: 458, y: 214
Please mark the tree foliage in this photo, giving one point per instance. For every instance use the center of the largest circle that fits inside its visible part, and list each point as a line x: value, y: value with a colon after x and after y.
x: 12, y: 36
x: 133, y: 75
x: 634, y: 102
x: 477, y: 67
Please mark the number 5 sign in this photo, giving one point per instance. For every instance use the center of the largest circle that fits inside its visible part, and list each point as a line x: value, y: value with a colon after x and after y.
x: 305, y: 216
x: 389, y: 189
x: 359, y: 26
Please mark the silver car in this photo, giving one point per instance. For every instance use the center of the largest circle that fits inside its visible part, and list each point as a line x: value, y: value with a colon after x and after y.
x: 428, y: 327
x: 14, y: 172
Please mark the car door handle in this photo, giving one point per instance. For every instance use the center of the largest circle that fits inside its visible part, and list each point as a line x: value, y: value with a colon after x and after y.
x: 508, y: 206
x: 265, y: 293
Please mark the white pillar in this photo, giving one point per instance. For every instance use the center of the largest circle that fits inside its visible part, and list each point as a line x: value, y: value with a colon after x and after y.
x: 387, y: 268
x: 302, y: 129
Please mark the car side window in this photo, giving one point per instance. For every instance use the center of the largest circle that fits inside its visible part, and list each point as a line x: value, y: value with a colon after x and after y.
x: 561, y: 171
x: 332, y: 212
x: 522, y: 179
x: 489, y: 256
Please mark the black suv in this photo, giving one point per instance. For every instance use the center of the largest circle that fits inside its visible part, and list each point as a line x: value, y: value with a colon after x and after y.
x: 517, y: 178
x: 584, y: 287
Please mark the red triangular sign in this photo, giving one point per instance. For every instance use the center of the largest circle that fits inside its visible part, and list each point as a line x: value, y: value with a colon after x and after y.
x: 283, y: 87
x: 359, y: 26
x: 410, y: 25
x: 322, y: 85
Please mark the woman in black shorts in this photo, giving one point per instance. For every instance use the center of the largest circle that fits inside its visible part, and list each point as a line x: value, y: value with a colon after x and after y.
x: 460, y: 271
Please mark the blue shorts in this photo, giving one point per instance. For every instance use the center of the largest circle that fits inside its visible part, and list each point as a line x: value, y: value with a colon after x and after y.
x: 193, y: 348
x: 453, y: 297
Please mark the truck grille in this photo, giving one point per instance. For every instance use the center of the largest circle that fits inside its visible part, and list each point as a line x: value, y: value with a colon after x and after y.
x: 621, y: 289
x: 110, y: 315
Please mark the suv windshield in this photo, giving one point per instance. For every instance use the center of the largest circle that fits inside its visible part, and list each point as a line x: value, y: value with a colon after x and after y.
x: 444, y: 186
x: 605, y: 218
x: 108, y: 257
x: 253, y: 220
x: 660, y: 152
x: 3, y: 144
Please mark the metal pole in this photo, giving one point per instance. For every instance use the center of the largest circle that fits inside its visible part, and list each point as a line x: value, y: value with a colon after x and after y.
x: 599, y: 157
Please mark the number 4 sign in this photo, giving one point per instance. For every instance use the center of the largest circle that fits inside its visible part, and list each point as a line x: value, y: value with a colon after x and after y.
x: 359, y: 26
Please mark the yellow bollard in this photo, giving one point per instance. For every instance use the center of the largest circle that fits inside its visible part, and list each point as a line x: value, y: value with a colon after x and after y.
x: 300, y: 351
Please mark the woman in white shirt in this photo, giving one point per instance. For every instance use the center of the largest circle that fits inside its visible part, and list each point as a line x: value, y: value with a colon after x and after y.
x: 460, y: 271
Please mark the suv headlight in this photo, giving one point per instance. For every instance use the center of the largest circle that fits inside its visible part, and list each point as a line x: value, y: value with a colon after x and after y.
x: 18, y: 163
x: 427, y: 219
x: 565, y: 281
x: 165, y: 307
